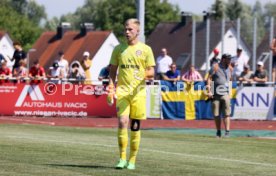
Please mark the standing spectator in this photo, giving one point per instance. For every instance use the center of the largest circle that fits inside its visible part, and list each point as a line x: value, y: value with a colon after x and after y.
x: 18, y: 55
x: 247, y: 75
x: 260, y: 75
x: 63, y: 64
x: 273, y: 49
x: 192, y: 75
x: 5, y: 72
x: 21, y: 72
x: 238, y: 62
x: 219, y: 79
x: 37, y: 73
x: 104, y: 73
x: 86, y: 64
x: 173, y: 74
x: 163, y: 63
x: 76, y: 72
x: 55, y: 73
x: 215, y: 58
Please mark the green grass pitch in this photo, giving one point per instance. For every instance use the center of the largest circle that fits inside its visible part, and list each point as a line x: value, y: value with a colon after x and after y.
x: 31, y: 150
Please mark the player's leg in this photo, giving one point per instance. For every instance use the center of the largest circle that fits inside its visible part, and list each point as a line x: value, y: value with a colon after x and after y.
x: 216, y: 113
x: 123, y: 114
x: 226, y: 111
x: 137, y: 113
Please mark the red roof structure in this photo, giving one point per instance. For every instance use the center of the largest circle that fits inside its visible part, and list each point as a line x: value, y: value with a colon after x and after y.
x: 72, y: 43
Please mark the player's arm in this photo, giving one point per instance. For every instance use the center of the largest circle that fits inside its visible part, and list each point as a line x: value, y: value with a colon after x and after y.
x: 150, y: 64
x: 112, y: 74
x: 149, y: 75
x: 209, y: 80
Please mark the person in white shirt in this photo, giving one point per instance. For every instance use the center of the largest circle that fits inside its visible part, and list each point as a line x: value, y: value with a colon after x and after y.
x: 55, y: 73
x: 238, y: 62
x: 63, y: 64
x: 163, y: 63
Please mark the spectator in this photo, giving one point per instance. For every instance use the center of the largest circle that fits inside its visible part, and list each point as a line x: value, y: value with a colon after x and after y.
x: 260, y: 75
x: 163, y: 64
x: 247, y: 75
x: 273, y: 49
x: 215, y: 58
x: 104, y: 73
x: 3, y: 58
x: 173, y: 74
x: 218, y: 81
x: 76, y: 71
x: 238, y: 62
x: 18, y: 55
x: 5, y: 72
x: 86, y: 64
x: 21, y: 72
x: 63, y: 64
x: 37, y: 73
x: 192, y: 75
x: 55, y: 73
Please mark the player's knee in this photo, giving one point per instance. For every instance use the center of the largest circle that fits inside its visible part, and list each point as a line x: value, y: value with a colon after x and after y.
x: 123, y: 122
x: 135, y: 125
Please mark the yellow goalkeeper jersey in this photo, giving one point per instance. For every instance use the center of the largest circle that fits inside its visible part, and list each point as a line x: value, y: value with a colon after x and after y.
x: 132, y: 61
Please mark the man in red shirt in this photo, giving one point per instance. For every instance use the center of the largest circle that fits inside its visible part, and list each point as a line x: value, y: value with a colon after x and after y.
x: 5, y: 72
x: 37, y: 73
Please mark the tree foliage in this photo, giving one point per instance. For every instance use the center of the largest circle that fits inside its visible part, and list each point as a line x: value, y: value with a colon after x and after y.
x: 219, y: 8
x: 111, y: 14
x: 19, y: 27
x: 234, y: 9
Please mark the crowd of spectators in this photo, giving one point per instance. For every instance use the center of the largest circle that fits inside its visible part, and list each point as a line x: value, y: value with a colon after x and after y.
x: 240, y: 69
x: 59, y: 70
x: 166, y: 69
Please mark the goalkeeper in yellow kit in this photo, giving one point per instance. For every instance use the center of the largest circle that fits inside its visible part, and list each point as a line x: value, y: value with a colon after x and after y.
x: 135, y: 62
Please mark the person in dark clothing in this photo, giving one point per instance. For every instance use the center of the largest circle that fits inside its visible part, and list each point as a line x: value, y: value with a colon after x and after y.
x: 18, y: 55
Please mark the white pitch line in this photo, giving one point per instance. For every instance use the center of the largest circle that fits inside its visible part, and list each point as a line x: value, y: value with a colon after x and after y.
x: 156, y: 151
x: 26, y: 120
x: 211, y: 158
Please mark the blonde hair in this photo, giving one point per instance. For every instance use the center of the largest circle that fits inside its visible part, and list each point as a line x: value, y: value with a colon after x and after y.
x: 133, y: 21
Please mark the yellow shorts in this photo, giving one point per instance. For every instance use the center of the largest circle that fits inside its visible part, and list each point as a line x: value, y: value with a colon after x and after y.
x: 132, y: 106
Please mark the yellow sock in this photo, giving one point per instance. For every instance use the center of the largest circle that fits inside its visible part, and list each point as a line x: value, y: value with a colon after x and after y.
x: 134, y: 145
x: 122, y: 142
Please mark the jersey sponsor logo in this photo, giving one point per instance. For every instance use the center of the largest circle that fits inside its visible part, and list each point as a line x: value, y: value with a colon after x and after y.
x: 138, y: 53
x: 130, y: 66
x: 34, y: 92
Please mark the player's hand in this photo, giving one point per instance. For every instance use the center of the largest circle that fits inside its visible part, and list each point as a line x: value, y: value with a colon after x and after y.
x: 110, y: 94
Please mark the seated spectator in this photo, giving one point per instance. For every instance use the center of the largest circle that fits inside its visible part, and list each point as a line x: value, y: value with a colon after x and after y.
x: 246, y: 75
x: 55, y: 73
x: 76, y: 72
x: 104, y: 73
x: 3, y: 58
x: 86, y: 64
x: 260, y: 75
x: 192, y: 75
x: 21, y: 72
x: 173, y: 74
x: 37, y: 73
x: 63, y: 63
x: 5, y: 72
